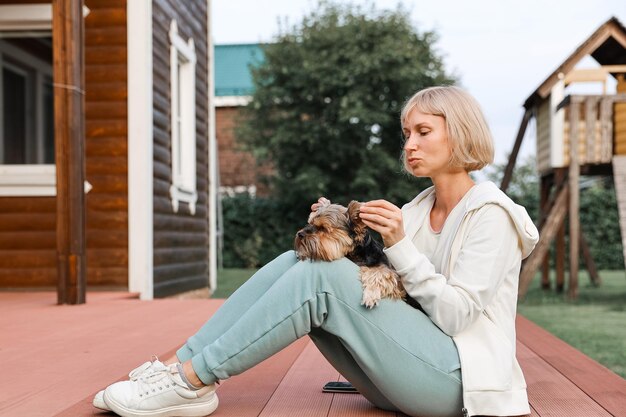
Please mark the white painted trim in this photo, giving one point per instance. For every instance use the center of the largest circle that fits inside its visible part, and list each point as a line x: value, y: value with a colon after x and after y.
x: 213, y: 164
x: 183, y: 121
x: 140, y: 149
x: 28, y: 180
x: 231, y: 101
x: 557, y: 125
x: 28, y: 16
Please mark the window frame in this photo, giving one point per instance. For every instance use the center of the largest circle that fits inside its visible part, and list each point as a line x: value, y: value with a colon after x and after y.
x: 22, y: 180
x: 183, y: 120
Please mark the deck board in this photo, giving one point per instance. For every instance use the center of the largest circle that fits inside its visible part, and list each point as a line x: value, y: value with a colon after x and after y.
x: 78, y: 350
x: 300, y: 393
x: 552, y: 394
x: 604, y: 386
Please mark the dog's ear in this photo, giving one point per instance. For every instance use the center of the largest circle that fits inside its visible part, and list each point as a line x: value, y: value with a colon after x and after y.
x: 358, y: 229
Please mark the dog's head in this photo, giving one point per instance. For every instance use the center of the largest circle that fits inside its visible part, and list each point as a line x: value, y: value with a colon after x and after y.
x: 333, y: 231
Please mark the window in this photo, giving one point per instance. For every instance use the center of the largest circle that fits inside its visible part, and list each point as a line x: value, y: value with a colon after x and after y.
x: 26, y: 102
x: 183, y: 123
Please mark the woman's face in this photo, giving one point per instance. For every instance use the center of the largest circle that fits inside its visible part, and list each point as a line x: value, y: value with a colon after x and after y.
x: 426, y: 149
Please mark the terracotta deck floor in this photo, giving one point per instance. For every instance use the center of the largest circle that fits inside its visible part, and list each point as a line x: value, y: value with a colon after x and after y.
x: 57, y: 357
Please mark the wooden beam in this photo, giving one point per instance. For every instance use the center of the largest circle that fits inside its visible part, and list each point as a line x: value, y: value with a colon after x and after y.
x: 591, y: 265
x: 69, y: 128
x: 574, y: 200
x: 508, y: 172
x: 559, y: 248
x: 548, y: 232
x: 544, y: 203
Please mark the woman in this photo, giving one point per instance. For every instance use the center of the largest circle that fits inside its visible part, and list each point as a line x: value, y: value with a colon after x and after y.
x: 458, y: 247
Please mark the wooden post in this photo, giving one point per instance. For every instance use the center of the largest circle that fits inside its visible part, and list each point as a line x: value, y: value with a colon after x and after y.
x: 559, y: 242
x: 69, y: 128
x: 508, y: 172
x: 559, y: 263
x: 573, y: 177
x: 594, y: 277
x: 548, y: 232
x: 545, y: 204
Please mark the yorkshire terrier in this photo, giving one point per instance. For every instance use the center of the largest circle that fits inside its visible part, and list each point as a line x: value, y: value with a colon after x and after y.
x: 334, y: 231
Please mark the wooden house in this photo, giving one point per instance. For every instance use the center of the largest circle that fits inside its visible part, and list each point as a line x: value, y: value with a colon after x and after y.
x: 238, y: 169
x: 144, y: 96
x: 576, y: 134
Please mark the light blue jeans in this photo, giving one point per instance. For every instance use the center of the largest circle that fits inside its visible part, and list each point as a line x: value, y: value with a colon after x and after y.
x: 393, y: 353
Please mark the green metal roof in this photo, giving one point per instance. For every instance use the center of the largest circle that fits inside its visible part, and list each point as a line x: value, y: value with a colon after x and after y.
x: 232, y: 72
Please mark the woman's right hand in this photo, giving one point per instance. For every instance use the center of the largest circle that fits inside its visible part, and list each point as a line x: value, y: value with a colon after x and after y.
x: 318, y: 204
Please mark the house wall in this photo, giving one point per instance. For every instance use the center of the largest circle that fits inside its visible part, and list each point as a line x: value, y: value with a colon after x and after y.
x: 28, y: 224
x: 181, y: 239
x: 544, y: 162
x: 238, y: 168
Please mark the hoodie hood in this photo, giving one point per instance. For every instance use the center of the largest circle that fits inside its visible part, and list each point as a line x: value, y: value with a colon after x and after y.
x: 488, y: 193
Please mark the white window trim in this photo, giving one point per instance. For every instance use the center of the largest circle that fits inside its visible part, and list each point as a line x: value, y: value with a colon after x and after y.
x: 183, y: 140
x: 28, y: 16
x: 140, y: 149
x: 27, y: 180
x: 232, y: 101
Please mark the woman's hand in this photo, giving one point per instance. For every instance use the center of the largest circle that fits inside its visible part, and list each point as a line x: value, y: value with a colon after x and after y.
x: 319, y: 203
x: 385, y: 218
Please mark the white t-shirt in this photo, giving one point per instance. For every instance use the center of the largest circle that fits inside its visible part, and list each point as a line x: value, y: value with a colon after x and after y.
x: 426, y: 239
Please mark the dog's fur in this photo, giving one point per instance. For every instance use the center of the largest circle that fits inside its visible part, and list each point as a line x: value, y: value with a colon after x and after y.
x: 334, y: 231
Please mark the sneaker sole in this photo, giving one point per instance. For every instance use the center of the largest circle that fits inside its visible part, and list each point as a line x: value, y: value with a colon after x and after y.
x: 190, y: 410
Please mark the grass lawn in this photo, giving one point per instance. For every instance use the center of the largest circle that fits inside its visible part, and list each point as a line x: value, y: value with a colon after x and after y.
x: 594, y: 324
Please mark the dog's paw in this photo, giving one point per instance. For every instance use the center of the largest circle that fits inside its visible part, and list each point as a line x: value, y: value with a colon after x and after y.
x: 370, y: 298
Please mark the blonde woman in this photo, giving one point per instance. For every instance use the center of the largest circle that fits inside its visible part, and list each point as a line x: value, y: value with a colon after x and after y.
x: 458, y: 248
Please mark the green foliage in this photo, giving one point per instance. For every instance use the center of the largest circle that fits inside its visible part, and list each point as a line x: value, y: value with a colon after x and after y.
x: 326, y: 105
x: 599, y: 220
x: 524, y: 185
x: 255, y: 231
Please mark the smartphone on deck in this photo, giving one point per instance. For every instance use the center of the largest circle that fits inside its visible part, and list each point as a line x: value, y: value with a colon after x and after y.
x: 339, y: 387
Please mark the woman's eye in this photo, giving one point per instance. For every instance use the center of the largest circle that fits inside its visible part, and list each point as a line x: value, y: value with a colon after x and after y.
x: 424, y: 132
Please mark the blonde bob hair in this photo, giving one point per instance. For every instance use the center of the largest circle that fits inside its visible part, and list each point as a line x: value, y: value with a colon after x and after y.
x: 469, y: 136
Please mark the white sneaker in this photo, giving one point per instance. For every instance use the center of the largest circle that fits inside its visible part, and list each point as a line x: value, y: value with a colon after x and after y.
x: 98, y: 399
x: 160, y: 393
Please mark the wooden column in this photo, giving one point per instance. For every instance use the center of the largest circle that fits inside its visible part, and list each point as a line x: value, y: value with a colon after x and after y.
x: 545, y: 204
x: 573, y: 177
x: 508, y: 171
x: 69, y: 136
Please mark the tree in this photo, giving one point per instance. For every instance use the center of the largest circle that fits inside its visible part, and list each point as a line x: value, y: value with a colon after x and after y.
x: 326, y: 105
x: 524, y: 186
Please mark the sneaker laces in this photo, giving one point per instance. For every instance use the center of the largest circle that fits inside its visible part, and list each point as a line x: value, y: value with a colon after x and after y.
x: 157, y: 379
x: 141, y: 369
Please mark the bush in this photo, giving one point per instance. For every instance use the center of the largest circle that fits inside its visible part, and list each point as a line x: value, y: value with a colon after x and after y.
x: 256, y: 230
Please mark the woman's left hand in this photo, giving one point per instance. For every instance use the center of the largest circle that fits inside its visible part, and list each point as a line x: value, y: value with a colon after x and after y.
x: 385, y: 218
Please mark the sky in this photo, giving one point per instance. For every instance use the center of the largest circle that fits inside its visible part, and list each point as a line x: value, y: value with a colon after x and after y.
x: 500, y: 50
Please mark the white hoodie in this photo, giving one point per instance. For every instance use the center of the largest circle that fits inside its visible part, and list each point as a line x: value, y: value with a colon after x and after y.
x: 474, y: 298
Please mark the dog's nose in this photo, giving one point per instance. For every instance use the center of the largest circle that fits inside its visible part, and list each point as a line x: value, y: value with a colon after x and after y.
x: 301, y: 234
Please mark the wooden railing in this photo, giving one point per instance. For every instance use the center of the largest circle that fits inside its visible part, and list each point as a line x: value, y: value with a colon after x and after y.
x: 592, y: 116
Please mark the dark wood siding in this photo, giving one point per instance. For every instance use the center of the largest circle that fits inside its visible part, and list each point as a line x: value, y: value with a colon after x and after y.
x: 28, y: 224
x: 180, y: 239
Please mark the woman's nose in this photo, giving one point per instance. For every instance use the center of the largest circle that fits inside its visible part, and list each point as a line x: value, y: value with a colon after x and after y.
x: 410, y: 143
